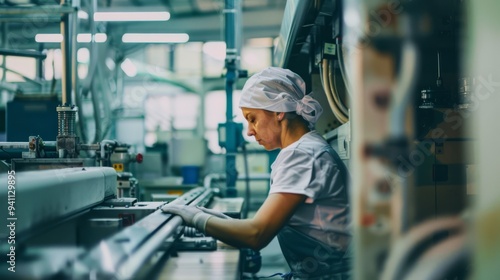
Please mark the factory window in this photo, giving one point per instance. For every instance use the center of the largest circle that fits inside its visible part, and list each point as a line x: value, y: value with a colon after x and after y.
x: 19, y: 67
x: 185, y: 111
x: 215, y: 113
x: 53, y: 64
x: 158, y: 113
x: 256, y: 54
x: 187, y: 58
x: 83, y: 57
x: 159, y: 55
x: 167, y: 113
x: 214, y: 54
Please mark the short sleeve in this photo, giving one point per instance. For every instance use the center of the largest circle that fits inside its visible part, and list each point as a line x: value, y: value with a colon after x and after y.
x: 292, y: 172
x: 315, y: 175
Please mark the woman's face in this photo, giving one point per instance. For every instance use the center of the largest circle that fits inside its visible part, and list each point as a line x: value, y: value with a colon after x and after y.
x: 264, y: 126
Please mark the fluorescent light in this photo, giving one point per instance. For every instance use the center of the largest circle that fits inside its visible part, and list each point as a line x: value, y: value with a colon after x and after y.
x: 129, y: 68
x: 48, y: 38
x: 83, y: 55
x: 83, y: 15
x: 131, y: 16
x: 155, y: 38
x: 80, y: 38
x: 110, y: 63
x: 85, y: 37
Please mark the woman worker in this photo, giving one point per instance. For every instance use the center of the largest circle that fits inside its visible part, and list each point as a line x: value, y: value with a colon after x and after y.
x: 308, y: 205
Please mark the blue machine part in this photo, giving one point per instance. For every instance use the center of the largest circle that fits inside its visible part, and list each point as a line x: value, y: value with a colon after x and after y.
x: 28, y: 116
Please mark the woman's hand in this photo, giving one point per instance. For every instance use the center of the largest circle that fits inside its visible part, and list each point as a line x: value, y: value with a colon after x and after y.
x: 214, y: 213
x: 192, y: 215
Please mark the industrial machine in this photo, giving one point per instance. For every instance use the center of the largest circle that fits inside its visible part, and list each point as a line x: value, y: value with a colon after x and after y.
x: 74, y: 208
x: 37, y: 154
x: 73, y: 217
x: 392, y: 73
x: 68, y: 224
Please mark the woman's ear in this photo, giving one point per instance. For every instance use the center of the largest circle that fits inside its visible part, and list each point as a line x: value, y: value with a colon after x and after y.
x: 280, y: 115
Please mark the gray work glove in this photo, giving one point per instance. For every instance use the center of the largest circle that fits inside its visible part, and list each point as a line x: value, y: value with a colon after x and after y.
x: 214, y: 213
x: 192, y: 215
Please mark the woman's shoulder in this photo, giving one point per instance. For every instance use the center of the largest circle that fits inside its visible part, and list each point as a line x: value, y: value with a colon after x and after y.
x: 311, y: 142
x: 310, y: 145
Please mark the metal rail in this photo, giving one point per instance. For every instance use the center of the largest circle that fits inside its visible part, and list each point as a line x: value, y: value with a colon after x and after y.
x: 123, y: 255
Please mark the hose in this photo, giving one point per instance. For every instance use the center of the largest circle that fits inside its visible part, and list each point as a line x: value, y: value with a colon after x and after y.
x: 342, y: 66
x: 335, y: 93
x: 334, y: 83
x: 326, y: 86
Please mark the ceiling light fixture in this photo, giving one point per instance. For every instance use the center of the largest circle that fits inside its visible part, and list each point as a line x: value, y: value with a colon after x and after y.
x: 155, y: 38
x: 80, y: 38
x: 131, y: 16
x: 129, y: 68
x: 85, y: 37
x: 82, y: 15
x: 48, y: 38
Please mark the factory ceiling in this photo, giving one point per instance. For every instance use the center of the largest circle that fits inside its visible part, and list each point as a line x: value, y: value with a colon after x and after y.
x: 202, y: 20
x: 179, y: 7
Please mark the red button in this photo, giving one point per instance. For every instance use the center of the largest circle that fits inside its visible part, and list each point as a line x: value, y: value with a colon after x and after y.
x: 139, y: 158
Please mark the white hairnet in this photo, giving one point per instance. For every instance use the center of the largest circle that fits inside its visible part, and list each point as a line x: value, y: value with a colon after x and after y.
x: 280, y: 90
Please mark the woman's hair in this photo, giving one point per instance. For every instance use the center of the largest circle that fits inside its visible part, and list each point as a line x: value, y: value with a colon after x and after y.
x: 294, y: 118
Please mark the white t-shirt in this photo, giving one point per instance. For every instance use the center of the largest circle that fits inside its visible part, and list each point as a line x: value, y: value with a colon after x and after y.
x: 311, y: 167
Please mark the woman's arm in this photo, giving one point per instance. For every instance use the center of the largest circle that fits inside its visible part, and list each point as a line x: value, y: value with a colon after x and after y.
x: 258, y: 231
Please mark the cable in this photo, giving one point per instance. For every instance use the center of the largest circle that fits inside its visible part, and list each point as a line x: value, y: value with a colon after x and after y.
x: 284, y: 276
x: 326, y: 86
x: 335, y: 93
x: 342, y: 65
x: 334, y: 83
